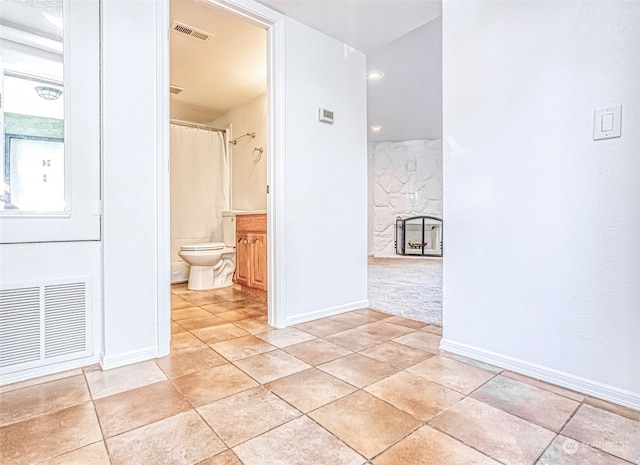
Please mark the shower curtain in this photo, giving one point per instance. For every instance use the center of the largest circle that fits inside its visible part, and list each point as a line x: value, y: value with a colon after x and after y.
x: 199, y: 190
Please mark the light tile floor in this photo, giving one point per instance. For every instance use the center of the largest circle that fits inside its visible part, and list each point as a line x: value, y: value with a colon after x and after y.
x: 361, y: 387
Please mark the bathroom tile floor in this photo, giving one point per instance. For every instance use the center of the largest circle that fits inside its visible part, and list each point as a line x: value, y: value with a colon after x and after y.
x: 358, y: 388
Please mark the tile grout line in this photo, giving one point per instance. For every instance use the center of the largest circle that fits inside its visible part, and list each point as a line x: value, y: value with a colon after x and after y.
x: 261, y: 385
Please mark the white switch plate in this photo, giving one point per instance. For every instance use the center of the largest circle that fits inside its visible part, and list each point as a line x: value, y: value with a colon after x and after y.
x: 607, y: 123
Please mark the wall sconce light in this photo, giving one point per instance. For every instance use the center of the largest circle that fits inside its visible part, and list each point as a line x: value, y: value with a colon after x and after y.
x: 48, y: 93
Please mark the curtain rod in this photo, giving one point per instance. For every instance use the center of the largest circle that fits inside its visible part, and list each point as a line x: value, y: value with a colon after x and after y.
x: 196, y: 126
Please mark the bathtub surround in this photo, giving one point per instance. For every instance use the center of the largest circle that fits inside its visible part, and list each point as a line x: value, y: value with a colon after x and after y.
x: 248, y: 178
x: 199, y: 191
x: 407, y: 181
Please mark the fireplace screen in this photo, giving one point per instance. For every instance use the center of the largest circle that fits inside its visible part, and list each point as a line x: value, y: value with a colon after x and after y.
x: 419, y: 235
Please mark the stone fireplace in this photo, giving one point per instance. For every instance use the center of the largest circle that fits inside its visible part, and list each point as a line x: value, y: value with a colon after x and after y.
x: 407, y: 182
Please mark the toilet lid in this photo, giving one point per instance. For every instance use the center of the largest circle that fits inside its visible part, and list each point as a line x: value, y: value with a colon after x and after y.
x: 204, y: 246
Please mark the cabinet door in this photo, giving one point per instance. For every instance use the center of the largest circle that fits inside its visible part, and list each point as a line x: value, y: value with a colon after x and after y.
x: 258, y: 267
x: 243, y: 258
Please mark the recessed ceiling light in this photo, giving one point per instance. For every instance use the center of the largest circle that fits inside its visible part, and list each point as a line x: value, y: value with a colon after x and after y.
x: 374, y: 75
x: 376, y: 128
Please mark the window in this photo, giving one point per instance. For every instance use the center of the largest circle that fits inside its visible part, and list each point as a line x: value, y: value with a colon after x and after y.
x: 50, y: 152
x: 34, y: 167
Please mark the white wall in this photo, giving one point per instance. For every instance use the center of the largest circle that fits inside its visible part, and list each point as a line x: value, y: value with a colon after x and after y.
x: 131, y: 255
x: 370, y: 194
x: 407, y: 181
x: 248, y: 178
x: 325, y: 176
x: 543, y: 250
x: 407, y: 101
x: 35, y: 264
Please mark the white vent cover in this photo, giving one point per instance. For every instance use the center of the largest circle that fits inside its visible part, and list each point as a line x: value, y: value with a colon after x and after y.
x: 190, y: 31
x: 175, y: 89
x: 19, y: 325
x: 44, y: 323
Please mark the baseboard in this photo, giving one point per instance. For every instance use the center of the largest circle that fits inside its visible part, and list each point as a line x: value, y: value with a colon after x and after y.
x: 46, y: 370
x: 550, y: 375
x: 115, y: 361
x: 407, y: 257
x: 322, y: 313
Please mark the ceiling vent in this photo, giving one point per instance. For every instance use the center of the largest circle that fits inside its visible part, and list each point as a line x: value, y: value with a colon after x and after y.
x: 190, y: 31
x: 175, y: 89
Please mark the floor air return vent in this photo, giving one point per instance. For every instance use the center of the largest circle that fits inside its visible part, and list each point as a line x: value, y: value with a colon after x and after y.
x: 43, y: 323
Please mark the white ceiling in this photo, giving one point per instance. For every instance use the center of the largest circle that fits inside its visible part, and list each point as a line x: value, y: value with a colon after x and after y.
x: 366, y: 25
x: 407, y: 101
x: 399, y: 37
x: 216, y: 75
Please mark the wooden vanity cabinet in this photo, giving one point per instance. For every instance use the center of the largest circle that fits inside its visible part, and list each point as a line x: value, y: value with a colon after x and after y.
x: 251, y: 251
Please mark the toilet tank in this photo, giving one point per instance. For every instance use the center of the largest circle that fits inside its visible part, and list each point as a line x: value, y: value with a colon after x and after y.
x: 229, y: 229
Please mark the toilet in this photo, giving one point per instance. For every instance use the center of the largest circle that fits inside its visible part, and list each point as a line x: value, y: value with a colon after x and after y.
x: 212, y: 263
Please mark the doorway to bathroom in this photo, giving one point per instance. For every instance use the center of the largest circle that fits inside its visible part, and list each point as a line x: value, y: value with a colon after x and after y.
x: 218, y: 173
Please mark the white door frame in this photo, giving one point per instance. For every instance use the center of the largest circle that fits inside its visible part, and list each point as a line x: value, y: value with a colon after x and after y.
x: 273, y: 22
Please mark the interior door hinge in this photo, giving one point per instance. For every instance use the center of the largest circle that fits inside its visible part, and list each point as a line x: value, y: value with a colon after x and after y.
x: 96, y: 207
x: 267, y: 188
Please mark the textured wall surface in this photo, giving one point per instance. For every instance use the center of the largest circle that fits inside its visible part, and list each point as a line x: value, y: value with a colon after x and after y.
x: 407, y: 180
x: 324, y: 181
x: 248, y: 177
x: 543, y: 250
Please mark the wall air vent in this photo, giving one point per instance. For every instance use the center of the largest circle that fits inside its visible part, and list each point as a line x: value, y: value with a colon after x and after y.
x: 175, y: 89
x: 42, y: 323
x: 191, y: 31
x: 20, y: 321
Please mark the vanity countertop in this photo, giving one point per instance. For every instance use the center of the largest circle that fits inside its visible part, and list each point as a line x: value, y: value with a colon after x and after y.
x: 245, y: 212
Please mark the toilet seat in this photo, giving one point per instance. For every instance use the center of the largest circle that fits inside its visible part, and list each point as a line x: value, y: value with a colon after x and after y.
x: 203, y: 247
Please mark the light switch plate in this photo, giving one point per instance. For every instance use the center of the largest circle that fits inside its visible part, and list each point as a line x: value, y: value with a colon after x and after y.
x: 607, y: 123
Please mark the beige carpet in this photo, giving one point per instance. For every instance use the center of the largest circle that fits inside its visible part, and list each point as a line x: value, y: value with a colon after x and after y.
x: 408, y: 287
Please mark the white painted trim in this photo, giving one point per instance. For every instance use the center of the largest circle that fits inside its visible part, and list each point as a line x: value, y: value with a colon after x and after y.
x: 46, y: 370
x: 566, y: 380
x: 314, y: 315
x: 249, y: 9
x: 276, y: 244
x: 116, y: 361
x: 163, y: 232
x: 28, y: 38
